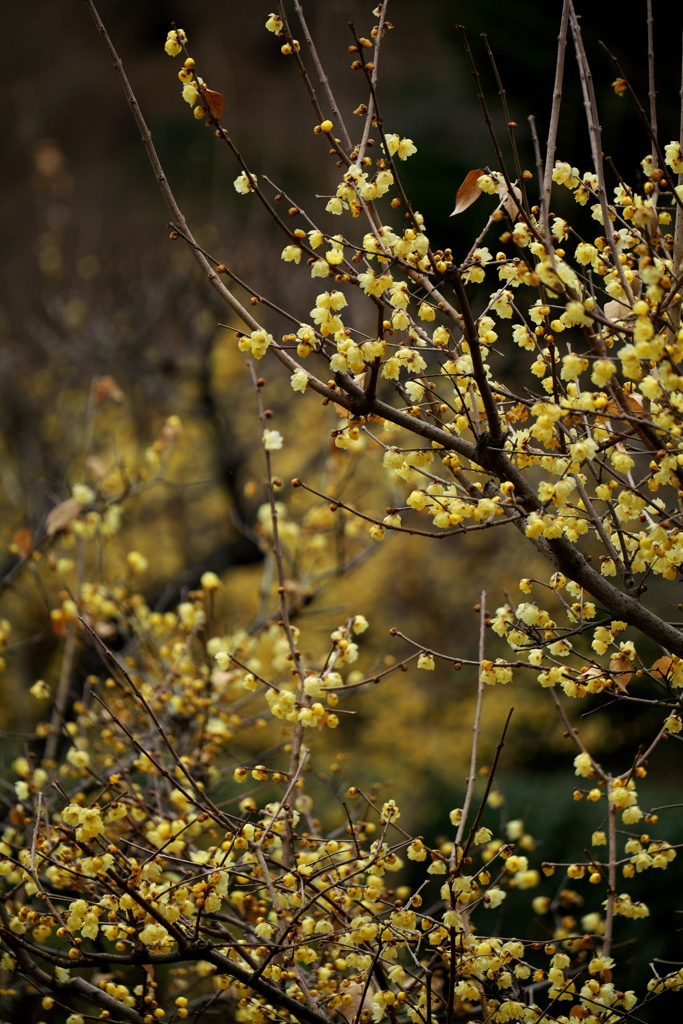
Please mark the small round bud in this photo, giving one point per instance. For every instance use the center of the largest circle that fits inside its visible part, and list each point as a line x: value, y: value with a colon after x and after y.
x: 210, y: 581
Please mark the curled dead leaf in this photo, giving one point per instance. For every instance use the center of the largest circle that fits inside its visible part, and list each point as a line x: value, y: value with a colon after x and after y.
x: 17, y: 816
x: 621, y: 670
x: 662, y: 667
x: 511, y: 200
x: 106, y: 387
x: 61, y: 515
x: 634, y: 403
x: 214, y: 101
x: 468, y: 192
x: 358, y: 993
x: 95, y: 467
x: 616, y: 310
x: 22, y: 543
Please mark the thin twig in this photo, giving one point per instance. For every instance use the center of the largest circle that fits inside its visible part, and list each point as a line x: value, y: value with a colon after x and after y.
x: 554, y: 121
x: 476, y: 727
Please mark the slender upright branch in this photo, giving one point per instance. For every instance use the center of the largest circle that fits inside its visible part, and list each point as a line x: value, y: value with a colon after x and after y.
x: 324, y: 80
x: 476, y: 727
x: 678, y: 229
x: 554, y: 120
x: 595, y: 136
x: 651, y: 88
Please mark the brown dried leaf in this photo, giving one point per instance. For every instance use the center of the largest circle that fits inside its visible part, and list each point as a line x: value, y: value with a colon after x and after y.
x: 616, y: 310
x: 106, y: 387
x: 61, y: 515
x: 22, y: 543
x: 621, y: 670
x: 661, y: 667
x: 95, y: 467
x: 633, y: 402
x: 16, y: 815
x: 214, y: 102
x: 358, y: 993
x: 509, y: 205
x: 468, y: 192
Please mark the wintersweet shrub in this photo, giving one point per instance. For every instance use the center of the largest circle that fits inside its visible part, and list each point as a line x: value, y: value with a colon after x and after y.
x: 138, y: 884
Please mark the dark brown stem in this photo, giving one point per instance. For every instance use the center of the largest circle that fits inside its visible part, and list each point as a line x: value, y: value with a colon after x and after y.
x: 471, y: 336
x: 554, y: 120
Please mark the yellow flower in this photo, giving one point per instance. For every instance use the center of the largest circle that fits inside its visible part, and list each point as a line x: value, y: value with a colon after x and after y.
x: 299, y: 380
x: 673, y: 157
x: 191, y: 93
x: 244, y: 183
x: 402, y: 147
x: 274, y: 23
x: 565, y: 174
x: 291, y: 254
x: 494, y: 897
x: 272, y: 440
x: 583, y: 765
x: 40, y: 690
